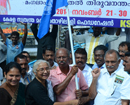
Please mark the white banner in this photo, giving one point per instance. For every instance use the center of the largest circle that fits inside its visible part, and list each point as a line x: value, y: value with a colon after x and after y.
x: 108, y: 13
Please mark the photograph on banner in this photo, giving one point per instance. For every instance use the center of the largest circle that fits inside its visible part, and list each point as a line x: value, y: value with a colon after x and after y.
x: 3, y: 7
x: 108, y: 13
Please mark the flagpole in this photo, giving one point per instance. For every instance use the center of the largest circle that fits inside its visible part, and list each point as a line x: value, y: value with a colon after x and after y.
x: 72, y: 48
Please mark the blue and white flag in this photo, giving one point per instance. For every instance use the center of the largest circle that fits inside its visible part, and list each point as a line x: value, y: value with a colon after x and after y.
x: 49, y: 11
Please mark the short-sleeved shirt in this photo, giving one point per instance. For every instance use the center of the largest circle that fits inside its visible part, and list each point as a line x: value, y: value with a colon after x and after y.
x: 57, y: 77
x: 87, y: 74
x: 112, y: 88
x: 13, y: 51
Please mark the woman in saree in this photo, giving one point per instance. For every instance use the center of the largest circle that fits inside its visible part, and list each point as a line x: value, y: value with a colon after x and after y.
x: 12, y: 92
x: 40, y: 91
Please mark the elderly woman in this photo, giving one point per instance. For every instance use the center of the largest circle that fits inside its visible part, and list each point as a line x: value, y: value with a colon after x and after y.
x: 40, y: 91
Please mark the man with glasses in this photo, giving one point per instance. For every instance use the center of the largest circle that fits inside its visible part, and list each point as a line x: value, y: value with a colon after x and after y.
x: 63, y: 79
x: 110, y: 86
x: 99, y: 53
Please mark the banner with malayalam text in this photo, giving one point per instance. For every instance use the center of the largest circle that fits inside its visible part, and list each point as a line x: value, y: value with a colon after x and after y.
x: 106, y: 13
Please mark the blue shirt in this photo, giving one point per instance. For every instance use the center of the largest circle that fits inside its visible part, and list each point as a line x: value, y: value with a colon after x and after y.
x: 13, y: 51
x: 96, y: 66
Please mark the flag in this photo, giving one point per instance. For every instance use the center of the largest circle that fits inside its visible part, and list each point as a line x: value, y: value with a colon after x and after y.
x: 49, y: 11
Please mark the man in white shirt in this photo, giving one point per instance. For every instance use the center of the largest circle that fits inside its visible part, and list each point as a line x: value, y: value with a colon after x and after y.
x: 49, y: 55
x: 93, y: 40
x: 110, y: 86
x: 99, y: 53
x: 81, y: 58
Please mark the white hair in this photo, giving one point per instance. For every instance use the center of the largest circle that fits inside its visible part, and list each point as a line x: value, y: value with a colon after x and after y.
x: 36, y: 64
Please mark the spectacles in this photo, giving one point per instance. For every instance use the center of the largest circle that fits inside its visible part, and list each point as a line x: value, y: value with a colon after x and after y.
x: 122, y: 51
x: 43, y: 69
x: 102, y: 55
x: 63, y: 57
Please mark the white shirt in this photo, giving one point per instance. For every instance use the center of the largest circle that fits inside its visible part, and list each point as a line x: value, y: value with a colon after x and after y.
x: 87, y: 74
x: 109, y: 90
x: 30, y: 72
x: 121, y: 64
x: 50, y: 90
x: 92, y: 42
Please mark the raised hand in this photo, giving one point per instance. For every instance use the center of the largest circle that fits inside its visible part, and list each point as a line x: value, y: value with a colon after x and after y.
x: 96, y: 73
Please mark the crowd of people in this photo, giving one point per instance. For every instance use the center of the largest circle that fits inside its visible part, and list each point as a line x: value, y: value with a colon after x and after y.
x: 103, y: 80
